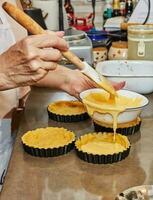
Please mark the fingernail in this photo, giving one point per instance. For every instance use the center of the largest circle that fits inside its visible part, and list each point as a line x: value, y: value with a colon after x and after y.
x: 67, y: 45
x: 62, y: 32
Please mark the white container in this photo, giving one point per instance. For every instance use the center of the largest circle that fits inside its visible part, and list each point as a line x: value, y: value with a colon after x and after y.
x: 140, y: 42
x: 99, y: 54
x: 50, y: 7
x: 118, y: 51
x: 138, y: 75
x: 128, y: 115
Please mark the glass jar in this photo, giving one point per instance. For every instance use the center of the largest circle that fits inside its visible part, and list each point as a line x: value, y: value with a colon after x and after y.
x: 140, y: 42
x: 99, y: 54
x: 118, y: 51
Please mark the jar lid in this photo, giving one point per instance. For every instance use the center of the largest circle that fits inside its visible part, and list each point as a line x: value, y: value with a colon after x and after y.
x: 72, y: 35
x: 120, y: 44
x: 140, y: 29
x: 99, y: 49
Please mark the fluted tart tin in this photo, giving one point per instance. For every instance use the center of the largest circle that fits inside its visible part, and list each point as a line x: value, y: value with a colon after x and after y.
x: 67, y: 111
x: 48, y: 142
x: 129, y: 128
x: 103, y: 141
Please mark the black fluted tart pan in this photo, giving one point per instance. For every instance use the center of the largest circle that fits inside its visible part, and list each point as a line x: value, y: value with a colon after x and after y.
x: 101, y: 159
x: 67, y: 117
x: 47, y: 150
x: 125, y: 129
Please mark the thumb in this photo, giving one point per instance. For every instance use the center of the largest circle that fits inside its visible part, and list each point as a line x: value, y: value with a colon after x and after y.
x: 119, y: 85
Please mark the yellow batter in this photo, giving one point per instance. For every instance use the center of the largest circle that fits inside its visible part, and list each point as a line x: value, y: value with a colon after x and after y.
x: 50, y: 137
x: 105, y: 83
x: 67, y: 108
x: 102, y: 103
x: 118, y: 103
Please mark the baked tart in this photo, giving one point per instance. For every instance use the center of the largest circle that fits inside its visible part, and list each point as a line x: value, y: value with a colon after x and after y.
x: 48, y: 142
x: 67, y: 111
x: 100, y: 148
x: 129, y: 128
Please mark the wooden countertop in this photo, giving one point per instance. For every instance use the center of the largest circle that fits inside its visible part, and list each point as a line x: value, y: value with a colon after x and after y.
x: 68, y: 177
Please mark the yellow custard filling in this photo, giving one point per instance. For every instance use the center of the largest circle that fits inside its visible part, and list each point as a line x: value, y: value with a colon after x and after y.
x: 50, y: 137
x: 104, y: 103
x: 67, y: 108
x: 102, y: 143
x: 118, y: 103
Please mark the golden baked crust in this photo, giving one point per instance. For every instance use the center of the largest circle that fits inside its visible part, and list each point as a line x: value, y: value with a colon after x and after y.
x: 102, y: 143
x: 67, y: 108
x: 50, y: 137
x: 123, y: 125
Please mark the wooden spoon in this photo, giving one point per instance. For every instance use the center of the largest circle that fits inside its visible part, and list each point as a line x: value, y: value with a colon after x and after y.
x: 34, y: 28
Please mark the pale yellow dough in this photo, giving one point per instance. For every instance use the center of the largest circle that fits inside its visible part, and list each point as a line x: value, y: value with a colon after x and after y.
x: 50, y: 137
x: 67, y: 108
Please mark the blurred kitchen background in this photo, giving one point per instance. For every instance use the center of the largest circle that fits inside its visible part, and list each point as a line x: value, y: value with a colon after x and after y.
x: 96, y: 30
x: 104, y: 9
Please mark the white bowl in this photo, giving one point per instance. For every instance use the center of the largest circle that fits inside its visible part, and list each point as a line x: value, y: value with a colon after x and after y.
x: 137, y: 74
x: 128, y: 115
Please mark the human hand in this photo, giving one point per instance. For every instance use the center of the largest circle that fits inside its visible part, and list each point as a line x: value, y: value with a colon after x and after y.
x: 30, y: 59
x: 118, y: 86
x: 76, y: 82
x: 70, y: 81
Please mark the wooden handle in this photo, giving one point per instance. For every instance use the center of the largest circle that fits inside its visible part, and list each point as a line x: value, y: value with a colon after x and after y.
x: 34, y: 28
x: 23, y: 19
x: 73, y: 59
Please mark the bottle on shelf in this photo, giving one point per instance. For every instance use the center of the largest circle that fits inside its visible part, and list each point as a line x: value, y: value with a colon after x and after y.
x: 122, y: 7
x: 116, y: 8
x: 70, y: 11
x: 108, y: 10
x: 129, y: 9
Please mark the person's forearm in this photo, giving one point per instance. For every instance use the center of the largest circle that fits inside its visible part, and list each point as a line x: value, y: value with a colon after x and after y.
x: 70, y: 81
x: 54, y: 79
